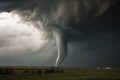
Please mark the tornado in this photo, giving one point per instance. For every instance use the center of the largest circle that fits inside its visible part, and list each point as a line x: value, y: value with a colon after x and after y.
x: 61, y: 44
x: 74, y: 12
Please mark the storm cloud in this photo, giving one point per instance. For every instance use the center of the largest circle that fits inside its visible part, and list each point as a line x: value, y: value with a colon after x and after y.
x: 69, y: 20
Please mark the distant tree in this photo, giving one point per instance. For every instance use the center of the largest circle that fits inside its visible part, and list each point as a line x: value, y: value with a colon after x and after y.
x: 62, y: 71
x: 26, y: 71
x: 9, y: 71
x: 32, y: 71
x: 6, y: 71
x: 0, y: 71
x: 39, y: 71
x: 52, y: 71
x: 57, y: 71
x: 47, y: 71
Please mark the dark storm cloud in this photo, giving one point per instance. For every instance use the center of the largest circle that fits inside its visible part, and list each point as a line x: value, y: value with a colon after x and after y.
x: 67, y: 14
x: 66, y: 18
x: 95, y: 50
x: 83, y: 9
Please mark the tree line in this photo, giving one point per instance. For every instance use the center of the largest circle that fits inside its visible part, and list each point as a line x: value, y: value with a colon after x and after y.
x: 10, y: 71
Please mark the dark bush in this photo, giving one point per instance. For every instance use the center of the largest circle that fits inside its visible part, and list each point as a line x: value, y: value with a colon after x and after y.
x: 49, y: 71
x: 62, y: 71
x: 57, y: 71
x: 39, y: 71
x: 9, y: 71
x: 52, y: 71
x: 6, y: 71
x: 26, y: 71
x: 46, y: 71
x: 32, y: 71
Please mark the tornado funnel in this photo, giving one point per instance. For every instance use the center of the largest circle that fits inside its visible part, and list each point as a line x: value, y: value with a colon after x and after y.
x: 61, y: 44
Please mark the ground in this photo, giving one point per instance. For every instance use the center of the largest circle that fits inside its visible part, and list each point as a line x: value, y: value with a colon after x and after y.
x: 64, y: 73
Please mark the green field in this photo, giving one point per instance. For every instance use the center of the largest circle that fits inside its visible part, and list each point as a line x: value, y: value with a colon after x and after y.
x: 68, y: 74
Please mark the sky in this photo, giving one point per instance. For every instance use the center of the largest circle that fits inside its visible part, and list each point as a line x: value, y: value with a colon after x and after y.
x: 60, y: 32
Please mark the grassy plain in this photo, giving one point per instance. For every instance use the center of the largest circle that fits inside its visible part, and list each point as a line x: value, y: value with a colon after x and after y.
x: 69, y: 74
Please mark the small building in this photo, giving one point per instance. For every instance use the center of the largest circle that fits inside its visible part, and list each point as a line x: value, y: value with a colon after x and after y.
x: 107, y: 67
x: 98, y: 67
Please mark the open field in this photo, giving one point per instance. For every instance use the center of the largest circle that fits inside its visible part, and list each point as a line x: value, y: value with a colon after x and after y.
x: 51, y: 73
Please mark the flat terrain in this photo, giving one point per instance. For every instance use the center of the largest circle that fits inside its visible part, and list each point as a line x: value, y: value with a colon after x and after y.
x: 51, y: 73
